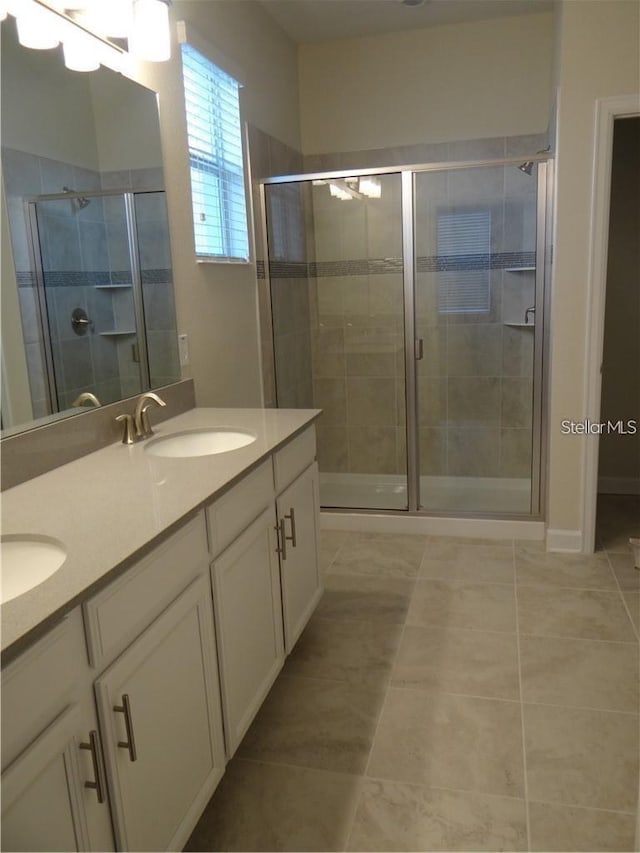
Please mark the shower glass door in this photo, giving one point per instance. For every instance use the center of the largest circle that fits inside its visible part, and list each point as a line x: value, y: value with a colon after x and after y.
x: 336, y: 277
x: 476, y: 293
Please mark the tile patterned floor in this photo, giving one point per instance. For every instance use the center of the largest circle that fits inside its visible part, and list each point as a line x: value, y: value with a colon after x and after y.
x: 448, y: 695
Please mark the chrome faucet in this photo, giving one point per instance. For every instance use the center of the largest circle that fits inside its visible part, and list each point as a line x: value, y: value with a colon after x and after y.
x: 141, y: 418
x: 531, y: 310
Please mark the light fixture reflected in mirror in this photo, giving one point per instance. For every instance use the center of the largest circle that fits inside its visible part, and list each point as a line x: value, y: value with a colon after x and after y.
x: 36, y: 30
x: 150, y: 37
x: 80, y: 53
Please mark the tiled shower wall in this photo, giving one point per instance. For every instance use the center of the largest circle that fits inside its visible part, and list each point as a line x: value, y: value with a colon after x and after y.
x: 475, y: 382
x: 285, y: 330
x: 82, y: 250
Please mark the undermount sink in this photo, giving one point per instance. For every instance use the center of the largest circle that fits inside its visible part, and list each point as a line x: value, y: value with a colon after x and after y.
x: 199, y: 442
x: 27, y: 561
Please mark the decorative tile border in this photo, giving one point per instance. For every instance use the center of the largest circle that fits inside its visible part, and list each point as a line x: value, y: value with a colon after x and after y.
x: 94, y: 278
x: 387, y: 266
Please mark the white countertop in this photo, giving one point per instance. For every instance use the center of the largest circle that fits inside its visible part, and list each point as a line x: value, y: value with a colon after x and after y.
x: 110, y: 504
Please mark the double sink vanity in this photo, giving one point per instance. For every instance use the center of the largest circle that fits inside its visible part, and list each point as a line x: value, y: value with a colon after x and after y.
x: 151, y: 593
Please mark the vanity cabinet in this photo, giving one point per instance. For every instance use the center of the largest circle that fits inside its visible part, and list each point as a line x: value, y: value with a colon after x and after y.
x: 297, y: 510
x: 117, y: 723
x: 51, y: 798
x: 248, y: 609
x: 54, y: 794
x: 159, y: 711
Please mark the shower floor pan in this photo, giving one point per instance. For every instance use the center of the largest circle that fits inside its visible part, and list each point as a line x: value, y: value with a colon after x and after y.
x: 437, y: 494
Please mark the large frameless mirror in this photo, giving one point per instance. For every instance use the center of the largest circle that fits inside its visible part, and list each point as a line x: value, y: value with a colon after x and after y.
x: 88, y: 312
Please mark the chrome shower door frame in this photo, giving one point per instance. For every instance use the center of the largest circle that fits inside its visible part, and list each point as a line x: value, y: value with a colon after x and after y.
x: 413, y: 347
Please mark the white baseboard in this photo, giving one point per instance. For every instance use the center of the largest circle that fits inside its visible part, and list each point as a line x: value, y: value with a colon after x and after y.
x: 486, y: 528
x: 568, y: 541
x: 619, y: 485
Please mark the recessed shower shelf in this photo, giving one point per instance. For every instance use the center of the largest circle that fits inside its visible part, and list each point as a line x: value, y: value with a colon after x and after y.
x: 521, y: 325
x: 116, y: 333
x: 519, y: 269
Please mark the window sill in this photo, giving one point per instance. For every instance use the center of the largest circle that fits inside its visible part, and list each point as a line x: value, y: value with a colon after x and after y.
x: 234, y: 261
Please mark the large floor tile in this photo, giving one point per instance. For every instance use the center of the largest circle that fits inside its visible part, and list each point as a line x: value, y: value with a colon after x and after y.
x: 448, y: 741
x: 328, y: 725
x: 626, y: 573
x: 392, y: 816
x: 462, y: 604
x: 617, y: 520
x: 330, y: 543
x: 381, y: 555
x: 582, y: 758
x: 455, y: 660
x: 269, y: 807
x: 370, y: 599
x: 566, y: 570
x: 566, y: 828
x: 632, y: 600
x: 345, y: 651
x: 590, y: 614
x: 476, y: 563
x: 583, y: 673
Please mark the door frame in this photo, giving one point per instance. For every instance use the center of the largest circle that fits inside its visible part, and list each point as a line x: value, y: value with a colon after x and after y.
x: 606, y: 112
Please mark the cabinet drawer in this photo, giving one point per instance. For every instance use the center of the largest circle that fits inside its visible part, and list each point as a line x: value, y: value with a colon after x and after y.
x: 229, y: 515
x: 40, y: 684
x: 118, y: 614
x: 292, y: 460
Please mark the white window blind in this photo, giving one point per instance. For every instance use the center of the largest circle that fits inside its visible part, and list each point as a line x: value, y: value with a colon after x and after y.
x: 464, y: 252
x: 215, y: 153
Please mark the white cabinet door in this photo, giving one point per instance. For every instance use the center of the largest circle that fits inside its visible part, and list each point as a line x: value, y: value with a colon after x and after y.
x: 298, y: 509
x: 248, y: 608
x: 159, y: 707
x: 54, y: 795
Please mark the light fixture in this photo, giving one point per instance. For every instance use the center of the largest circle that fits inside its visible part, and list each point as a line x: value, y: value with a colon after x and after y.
x: 150, y: 37
x: 339, y: 192
x: 80, y: 52
x: 370, y: 186
x: 35, y: 28
x: 3, y: 11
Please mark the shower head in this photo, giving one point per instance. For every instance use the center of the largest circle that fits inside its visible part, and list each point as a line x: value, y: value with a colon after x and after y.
x: 81, y: 201
x: 527, y: 167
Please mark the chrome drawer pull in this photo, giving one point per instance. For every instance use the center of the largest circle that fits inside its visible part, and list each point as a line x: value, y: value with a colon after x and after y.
x: 130, y: 742
x: 282, y: 539
x: 94, y: 748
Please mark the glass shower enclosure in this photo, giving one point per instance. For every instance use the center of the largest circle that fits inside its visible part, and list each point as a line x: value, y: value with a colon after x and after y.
x: 103, y: 316
x: 408, y: 304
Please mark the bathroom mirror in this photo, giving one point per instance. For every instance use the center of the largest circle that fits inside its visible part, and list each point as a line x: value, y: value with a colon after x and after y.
x: 87, y: 293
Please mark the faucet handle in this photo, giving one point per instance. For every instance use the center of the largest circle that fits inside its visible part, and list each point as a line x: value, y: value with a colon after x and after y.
x: 129, y: 436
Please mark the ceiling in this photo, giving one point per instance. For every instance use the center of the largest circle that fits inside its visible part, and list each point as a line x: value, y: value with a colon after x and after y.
x: 319, y: 20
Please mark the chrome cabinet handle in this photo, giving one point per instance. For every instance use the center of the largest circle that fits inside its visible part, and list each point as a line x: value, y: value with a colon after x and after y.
x: 130, y: 742
x: 419, y: 349
x: 98, y: 773
x: 282, y: 539
x: 292, y: 518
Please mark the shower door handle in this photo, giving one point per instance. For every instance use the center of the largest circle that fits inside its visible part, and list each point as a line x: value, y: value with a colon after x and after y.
x: 419, y: 349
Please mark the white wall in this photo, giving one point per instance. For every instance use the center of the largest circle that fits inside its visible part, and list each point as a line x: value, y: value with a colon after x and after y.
x: 216, y: 303
x: 599, y: 56
x: 462, y: 81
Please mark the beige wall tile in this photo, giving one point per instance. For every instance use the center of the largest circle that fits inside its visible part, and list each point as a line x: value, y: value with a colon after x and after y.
x: 474, y: 350
x: 473, y: 402
x: 570, y: 829
x: 473, y: 452
x: 330, y: 395
x: 372, y: 450
x: 371, y: 402
x: 517, y: 403
x: 515, y: 452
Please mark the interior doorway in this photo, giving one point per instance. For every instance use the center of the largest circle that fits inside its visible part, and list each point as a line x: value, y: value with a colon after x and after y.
x: 618, y: 502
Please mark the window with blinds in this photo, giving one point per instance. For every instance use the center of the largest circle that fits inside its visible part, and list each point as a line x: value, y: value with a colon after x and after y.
x: 216, y: 160
x: 464, y: 261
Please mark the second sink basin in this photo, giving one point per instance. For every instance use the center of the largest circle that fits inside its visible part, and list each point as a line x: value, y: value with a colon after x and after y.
x: 199, y: 442
x: 27, y: 561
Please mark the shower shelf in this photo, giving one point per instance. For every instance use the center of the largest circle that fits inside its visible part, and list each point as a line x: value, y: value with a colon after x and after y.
x: 521, y: 325
x: 519, y: 269
x: 115, y: 333
x: 113, y: 286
